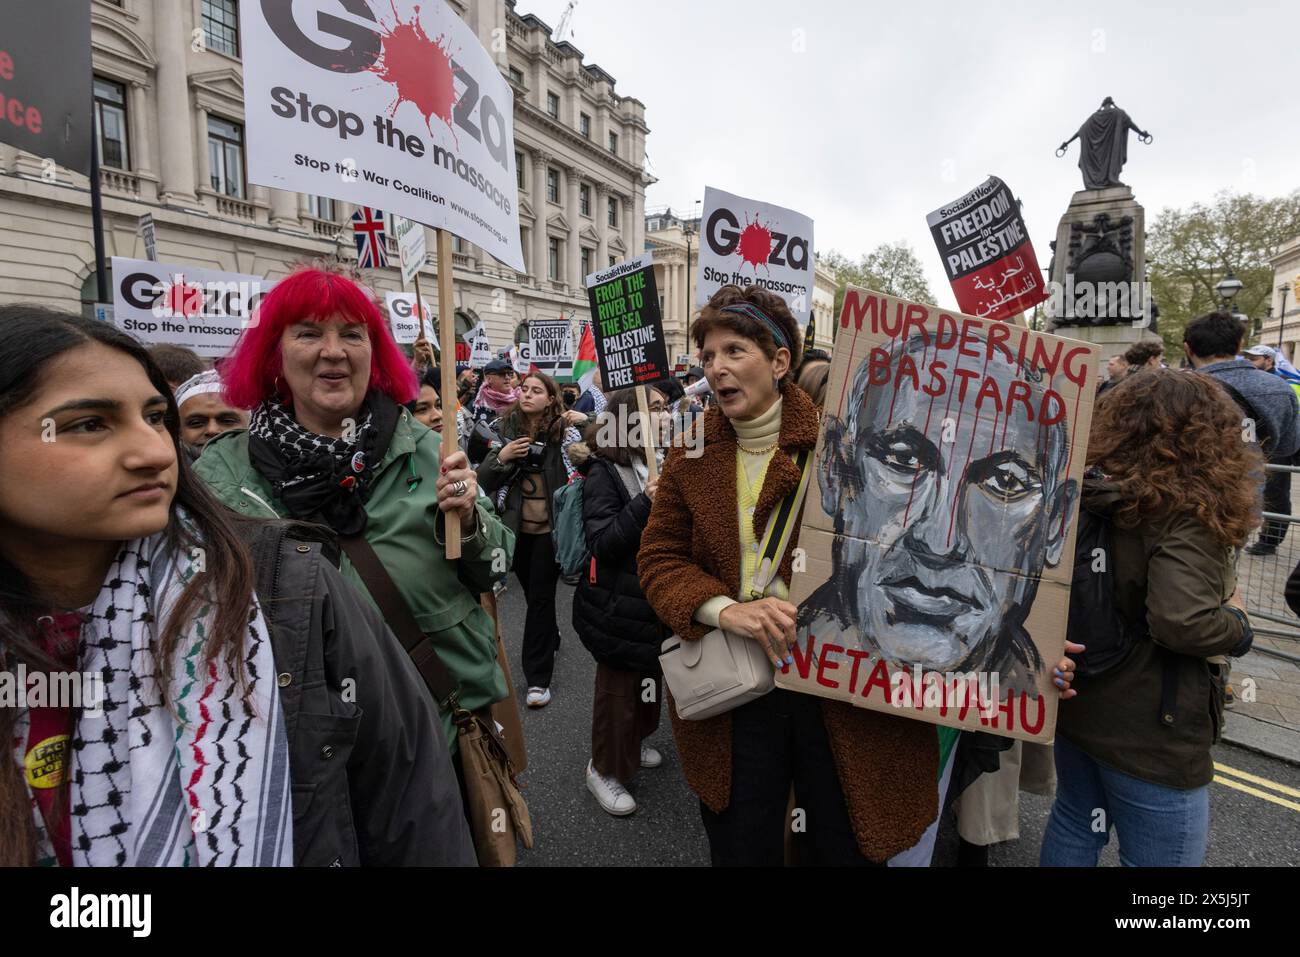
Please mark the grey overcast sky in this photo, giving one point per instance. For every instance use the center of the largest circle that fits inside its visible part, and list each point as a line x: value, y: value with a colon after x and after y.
x: 866, y: 116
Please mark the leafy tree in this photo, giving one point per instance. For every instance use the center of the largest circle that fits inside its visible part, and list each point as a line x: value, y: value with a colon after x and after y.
x: 1190, y: 250
x: 890, y: 268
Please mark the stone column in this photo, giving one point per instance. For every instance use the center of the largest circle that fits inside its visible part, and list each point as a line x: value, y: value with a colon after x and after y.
x: 177, y: 139
x: 284, y: 209
x: 638, y: 219
x: 201, y: 138
x: 541, y: 159
x: 667, y: 293
x: 141, y: 142
x: 573, y: 274
x: 602, y: 228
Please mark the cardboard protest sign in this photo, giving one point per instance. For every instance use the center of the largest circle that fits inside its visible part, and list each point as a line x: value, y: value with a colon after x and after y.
x: 410, y: 246
x: 550, y: 346
x: 627, y: 325
x: 394, y: 105
x: 45, y: 82
x: 748, y: 243
x: 938, y: 530
x: 480, y: 349
x: 201, y: 309
x: 404, y: 322
x: 987, y: 253
x: 519, y: 358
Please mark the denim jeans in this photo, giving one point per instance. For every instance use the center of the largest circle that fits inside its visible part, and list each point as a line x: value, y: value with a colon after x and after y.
x: 1157, y: 826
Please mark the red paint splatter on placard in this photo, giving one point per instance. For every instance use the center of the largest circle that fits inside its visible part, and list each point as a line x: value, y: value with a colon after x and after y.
x: 182, y: 299
x: 420, y: 68
x: 755, y: 244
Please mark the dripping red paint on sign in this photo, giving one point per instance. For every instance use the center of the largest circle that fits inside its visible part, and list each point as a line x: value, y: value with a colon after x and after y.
x: 420, y: 69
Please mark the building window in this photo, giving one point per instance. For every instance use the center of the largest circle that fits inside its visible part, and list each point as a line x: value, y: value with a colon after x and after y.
x: 226, y: 156
x: 110, y: 123
x: 612, y: 261
x: 654, y: 225
x: 519, y: 169
x: 586, y: 262
x: 613, y: 211
x: 221, y: 26
x: 553, y: 258
x: 613, y: 142
x: 322, y: 207
x: 516, y: 76
x: 584, y: 125
x: 553, y: 185
x: 553, y: 105
x: 584, y: 199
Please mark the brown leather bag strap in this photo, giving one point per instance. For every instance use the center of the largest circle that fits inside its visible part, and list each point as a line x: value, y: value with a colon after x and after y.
x: 397, y: 614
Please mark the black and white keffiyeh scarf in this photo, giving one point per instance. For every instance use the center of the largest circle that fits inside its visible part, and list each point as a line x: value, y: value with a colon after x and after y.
x: 319, y: 478
x: 198, y: 779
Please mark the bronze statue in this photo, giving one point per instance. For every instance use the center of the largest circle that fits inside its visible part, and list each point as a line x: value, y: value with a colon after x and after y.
x: 1103, y: 145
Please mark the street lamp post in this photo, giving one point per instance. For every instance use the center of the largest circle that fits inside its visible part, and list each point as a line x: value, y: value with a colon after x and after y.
x: 1281, y: 315
x: 689, y: 233
x: 1227, y: 288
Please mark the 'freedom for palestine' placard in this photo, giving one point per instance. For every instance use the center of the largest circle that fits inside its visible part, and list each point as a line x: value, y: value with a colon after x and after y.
x: 627, y: 325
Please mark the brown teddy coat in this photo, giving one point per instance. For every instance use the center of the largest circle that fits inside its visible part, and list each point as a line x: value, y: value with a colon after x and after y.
x: 690, y: 552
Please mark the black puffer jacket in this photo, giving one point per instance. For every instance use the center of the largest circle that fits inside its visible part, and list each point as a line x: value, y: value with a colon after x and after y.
x: 372, y: 781
x: 611, y: 615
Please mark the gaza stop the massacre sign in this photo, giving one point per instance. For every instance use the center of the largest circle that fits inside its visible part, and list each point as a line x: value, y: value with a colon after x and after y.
x: 626, y: 324
x: 939, y: 525
x: 392, y: 104
x: 747, y: 243
x: 987, y: 254
x: 191, y: 306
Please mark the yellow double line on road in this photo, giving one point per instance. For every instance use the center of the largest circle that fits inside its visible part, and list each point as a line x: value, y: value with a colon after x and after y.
x: 1223, y: 770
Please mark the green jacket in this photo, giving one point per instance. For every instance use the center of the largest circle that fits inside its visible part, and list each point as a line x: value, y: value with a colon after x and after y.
x: 406, y: 529
x: 1177, y: 576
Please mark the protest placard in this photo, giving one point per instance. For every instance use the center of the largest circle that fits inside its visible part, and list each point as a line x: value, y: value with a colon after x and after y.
x: 987, y: 254
x: 403, y: 320
x: 938, y: 531
x: 410, y: 247
x: 480, y: 348
x: 397, y: 106
x: 627, y: 325
x: 45, y: 82
x: 201, y: 309
x: 745, y: 242
x: 550, y: 346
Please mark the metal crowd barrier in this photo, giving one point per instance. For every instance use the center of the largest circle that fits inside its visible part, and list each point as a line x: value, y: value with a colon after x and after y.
x: 1262, y: 582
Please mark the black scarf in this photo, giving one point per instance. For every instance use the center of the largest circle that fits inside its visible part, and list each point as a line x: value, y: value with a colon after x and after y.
x: 318, y: 478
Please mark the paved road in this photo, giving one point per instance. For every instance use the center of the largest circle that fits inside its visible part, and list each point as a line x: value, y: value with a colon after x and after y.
x: 571, y: 829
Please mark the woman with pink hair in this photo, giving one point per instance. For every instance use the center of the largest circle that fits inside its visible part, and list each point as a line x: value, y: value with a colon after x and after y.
x: 329, y: 442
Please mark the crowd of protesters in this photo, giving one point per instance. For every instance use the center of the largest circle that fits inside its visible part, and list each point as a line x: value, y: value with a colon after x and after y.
x: 308, y: 471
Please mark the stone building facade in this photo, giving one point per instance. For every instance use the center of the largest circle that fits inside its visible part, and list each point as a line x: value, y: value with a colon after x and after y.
x: 170, y: 110
x: 1279, y: 327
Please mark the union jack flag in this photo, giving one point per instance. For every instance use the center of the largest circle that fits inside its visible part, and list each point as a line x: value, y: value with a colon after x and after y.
x: 368, y: 230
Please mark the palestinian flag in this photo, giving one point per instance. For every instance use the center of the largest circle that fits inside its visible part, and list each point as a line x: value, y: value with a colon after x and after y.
x: 585, y: 365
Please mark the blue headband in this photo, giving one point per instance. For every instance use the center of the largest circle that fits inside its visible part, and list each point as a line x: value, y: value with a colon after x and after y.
x: 759, y: 316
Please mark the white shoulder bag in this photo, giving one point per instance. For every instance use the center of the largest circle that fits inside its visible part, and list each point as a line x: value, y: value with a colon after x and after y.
x: 722, y: 670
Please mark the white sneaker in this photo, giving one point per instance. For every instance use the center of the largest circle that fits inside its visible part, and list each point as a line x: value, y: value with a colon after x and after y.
x: 611, y: 795
x: 650, y: 757
x: 538, y: 697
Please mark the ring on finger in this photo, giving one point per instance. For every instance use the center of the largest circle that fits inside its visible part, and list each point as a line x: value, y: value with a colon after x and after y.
x: 458, y: 489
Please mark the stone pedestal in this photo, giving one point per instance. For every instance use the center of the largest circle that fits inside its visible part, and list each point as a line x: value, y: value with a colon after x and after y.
x: 1098, y: 272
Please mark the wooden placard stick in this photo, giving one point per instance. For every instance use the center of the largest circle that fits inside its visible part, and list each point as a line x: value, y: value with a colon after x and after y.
x: 447, y: 347
x: 647, y: 440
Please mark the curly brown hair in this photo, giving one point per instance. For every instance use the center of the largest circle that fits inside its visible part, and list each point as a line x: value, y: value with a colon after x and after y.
x: 712, y: 317
x: 1173, y: 442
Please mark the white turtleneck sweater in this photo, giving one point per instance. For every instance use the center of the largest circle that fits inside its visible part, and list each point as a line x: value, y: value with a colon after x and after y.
x: 758, y: 433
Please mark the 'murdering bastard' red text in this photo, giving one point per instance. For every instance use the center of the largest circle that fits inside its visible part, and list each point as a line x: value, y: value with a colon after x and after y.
x: 971, y: 338
x: 828, y: 668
